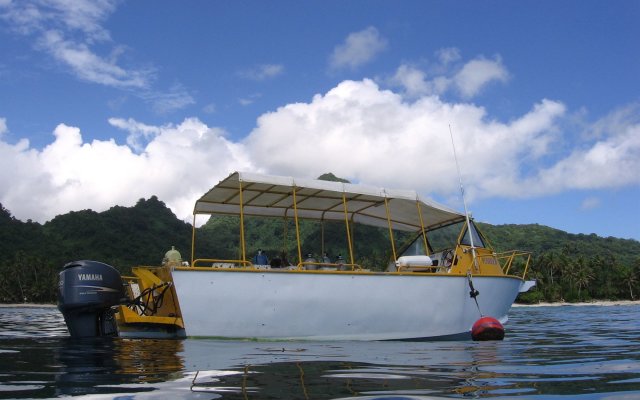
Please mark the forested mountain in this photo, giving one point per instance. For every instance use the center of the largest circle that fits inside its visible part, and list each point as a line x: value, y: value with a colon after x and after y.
x: 541, y: 239
x: 121, y: 236
x: 567, y: 266
x: 573, y: 267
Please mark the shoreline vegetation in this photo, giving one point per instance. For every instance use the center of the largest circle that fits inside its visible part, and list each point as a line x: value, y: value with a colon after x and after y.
x: 582, y: 303
x: 571, y: 268
x: 604, y: 303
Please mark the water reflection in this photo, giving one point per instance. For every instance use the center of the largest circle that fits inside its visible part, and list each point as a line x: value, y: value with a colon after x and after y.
x: 83, y: 364
x: 589, y: 352
x: 584, y: 352
x: 52, y: 367
x: 461, y: 369
x: 30, y: 322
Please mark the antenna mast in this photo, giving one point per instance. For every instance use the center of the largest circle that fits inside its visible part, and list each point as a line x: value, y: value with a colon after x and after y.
x: 464, y: 201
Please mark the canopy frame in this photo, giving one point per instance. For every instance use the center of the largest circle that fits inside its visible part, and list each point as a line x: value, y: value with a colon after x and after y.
x: 251, y: 194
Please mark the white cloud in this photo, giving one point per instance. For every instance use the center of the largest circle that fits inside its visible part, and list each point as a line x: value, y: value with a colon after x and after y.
x: 67, y: 30
x: 71, y: 32
x: 209, y: 108
x: 477, y: 73
x: 3, y: 126
x: 356, y: 130
x: 89, y: 66
x: 616, y: 121
x: 590, y: 203
x: 262, y: 72
x: 250, y: 99
x: 611, y: 161
x: 85, y: 16
x: 358, y: 49
x: 361, y: 132
x: 176, y: 98
x: 178, y: 164
x: 467, y: 79
x: 415, y: 82
x: 448, y: 55
x: 139, y: 134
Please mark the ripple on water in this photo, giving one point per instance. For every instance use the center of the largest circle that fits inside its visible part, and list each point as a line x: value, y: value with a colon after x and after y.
x: 564, y: 352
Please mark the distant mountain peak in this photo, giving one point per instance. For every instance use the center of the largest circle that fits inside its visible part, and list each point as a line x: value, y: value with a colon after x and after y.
x: 331, y: 177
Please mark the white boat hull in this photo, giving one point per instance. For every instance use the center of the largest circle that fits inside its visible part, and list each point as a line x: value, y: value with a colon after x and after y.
x: 280, y: 305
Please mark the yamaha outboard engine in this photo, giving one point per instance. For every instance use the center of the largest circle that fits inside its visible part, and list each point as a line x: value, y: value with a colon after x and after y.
x: 86, y: 292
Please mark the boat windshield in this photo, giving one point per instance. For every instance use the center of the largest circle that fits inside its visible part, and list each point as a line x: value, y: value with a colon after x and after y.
x: 416, y: 248
x: 477, y: 239
x: 443, y: 238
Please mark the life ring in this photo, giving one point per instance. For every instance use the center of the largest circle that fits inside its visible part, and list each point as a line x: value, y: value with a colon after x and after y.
x: 447, y: 258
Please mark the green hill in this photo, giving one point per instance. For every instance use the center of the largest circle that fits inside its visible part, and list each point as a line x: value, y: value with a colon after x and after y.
x: 541, y: 239
x: 567, y: 266
x: 120, y: 236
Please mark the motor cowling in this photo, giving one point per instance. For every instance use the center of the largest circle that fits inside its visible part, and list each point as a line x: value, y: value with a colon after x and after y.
x: 86, y: 292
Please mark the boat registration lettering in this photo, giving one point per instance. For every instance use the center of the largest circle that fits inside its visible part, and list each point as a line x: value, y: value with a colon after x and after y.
x: 489, y: 260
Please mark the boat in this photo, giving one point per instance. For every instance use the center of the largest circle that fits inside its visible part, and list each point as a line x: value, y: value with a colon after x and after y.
x: 440, y: 277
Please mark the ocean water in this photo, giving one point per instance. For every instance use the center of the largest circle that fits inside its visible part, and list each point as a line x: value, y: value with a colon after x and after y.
x: 568, y: 352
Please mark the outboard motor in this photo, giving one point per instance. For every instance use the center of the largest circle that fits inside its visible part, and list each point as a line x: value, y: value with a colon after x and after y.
x: 86, y: 292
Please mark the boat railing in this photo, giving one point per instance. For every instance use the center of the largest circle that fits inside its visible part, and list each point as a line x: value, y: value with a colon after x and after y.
x: 303, y: 266
x: 314, y: 265
x: 510, y: 258
x: 220, y: 263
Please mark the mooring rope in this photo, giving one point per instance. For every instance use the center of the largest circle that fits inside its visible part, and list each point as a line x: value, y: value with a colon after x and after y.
x: 473, y: 293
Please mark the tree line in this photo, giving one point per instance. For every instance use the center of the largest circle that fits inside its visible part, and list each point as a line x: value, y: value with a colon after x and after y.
x: 567, y: 267
x: 564, y: 276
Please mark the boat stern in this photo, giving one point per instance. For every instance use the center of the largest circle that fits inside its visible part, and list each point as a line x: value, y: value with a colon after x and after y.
x: 152, y: 309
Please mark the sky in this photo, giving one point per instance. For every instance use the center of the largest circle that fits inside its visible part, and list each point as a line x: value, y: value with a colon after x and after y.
x: 105, y: 102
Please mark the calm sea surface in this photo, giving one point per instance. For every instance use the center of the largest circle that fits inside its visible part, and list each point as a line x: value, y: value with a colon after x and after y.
x: 587, y: 352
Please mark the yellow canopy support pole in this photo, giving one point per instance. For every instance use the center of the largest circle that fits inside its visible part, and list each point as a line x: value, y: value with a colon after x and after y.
x: 526, y: 266
x: 322, y: 237
x: 242, y: 245
x: 393, y: 246
x: 193, y: 239
x: 295, y: 217
x: 346, y: 221
x: 424, y: 234
x: 284, y: 234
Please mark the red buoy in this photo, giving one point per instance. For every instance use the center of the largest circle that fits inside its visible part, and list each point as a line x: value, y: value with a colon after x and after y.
x: 487, y: 328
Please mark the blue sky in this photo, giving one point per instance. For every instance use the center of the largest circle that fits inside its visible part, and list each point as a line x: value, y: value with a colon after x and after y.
x: 107, y: 102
